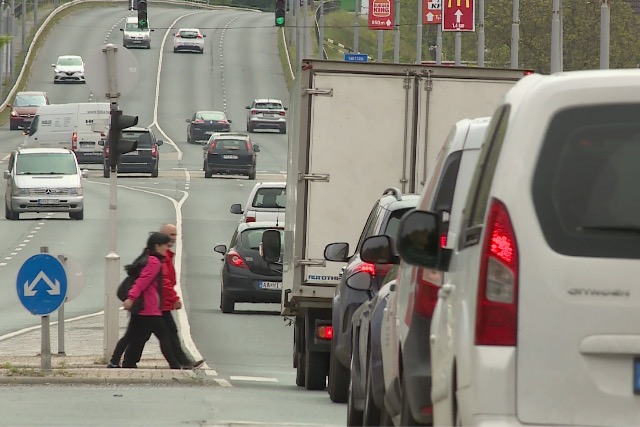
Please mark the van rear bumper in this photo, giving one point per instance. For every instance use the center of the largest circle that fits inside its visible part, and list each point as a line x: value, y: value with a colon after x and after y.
x: 89, y: 157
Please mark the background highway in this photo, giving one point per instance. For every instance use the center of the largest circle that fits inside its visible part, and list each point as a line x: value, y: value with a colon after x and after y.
x: 251, y: 349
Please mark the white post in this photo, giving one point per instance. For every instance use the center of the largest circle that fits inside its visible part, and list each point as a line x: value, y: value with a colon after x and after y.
x: 62, y: 260
x: 45, y: 335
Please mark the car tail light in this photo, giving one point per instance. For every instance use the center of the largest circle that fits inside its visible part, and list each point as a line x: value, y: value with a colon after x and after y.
x: 426, y: 296
x: 497, y: 305
x: 366, y: 267
x: 199, y: 36
x: 253, y: 112
x: 236, y: 260
x: 325, y: 332
x: 282, y: 113
x: 249, y: 147
x: 154, y: 150
x: 198, y: 121
x: 212, y: 146
x: 106, y: 151
x: 251, y: 218
x: 74, y: 141
x: 443, y: 240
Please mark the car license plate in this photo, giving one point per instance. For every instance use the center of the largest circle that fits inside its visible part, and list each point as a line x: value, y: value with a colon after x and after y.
x: 230, y: 156
x: 271, y: 285
x: 636, y: 375
x: 133, y: 153
x: 268, y: 114
x: 48, y: 201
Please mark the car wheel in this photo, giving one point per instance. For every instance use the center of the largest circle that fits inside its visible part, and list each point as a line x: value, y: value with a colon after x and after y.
x: 79, y: 216
x: 189, y: 140
x: 283, y: 130
x: 175, y: 50
x: 154, y: 173
x: 106, y: 172
x: 227, y: 305
x: 13, y: 126
x: 208, y: 173
x: 201, y: 51
x: 252, y: 175
x: 406, y: 417
x: 249, y: 128
x: 371, y: 414
x: 338, y: 378
x: 354, y: 415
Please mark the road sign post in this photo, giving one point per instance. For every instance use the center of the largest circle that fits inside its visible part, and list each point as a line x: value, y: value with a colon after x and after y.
x: 62, y: 260
x: 42, y: 287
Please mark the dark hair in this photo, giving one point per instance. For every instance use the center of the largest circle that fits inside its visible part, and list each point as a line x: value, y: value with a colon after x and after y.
x: 156, y: 239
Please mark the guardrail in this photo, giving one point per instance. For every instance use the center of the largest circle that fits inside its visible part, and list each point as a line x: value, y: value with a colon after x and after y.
x: 31, y: 52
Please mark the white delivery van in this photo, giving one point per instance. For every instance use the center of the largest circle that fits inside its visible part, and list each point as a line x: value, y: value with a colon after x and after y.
x: 69, y: 126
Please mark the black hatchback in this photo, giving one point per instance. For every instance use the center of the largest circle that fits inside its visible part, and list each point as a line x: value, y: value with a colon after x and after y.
x: 205, y: 123
x: 232, y: 154
x: 245, y: 275
x: 145, y: 159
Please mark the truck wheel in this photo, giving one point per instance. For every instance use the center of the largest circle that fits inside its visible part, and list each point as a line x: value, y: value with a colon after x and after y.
x: 300, y: 369
x: 338, y: 378
x: 315, y: 370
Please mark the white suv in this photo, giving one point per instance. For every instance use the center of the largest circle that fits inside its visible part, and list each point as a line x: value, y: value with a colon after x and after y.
x: 266, y: 203
x: 539, y: 313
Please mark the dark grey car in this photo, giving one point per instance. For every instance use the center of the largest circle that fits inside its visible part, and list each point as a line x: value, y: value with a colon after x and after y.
x: 144, y: 160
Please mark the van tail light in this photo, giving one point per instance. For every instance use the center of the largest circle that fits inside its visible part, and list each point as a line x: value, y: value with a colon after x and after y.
x: 254, y: 112
x: 212, y: 146
x: 236, y: 260
x: 282, y: 113
x: 426, y: 295
x: 497, y: 301
x: 74, y: 141
x: 154, y: 150
x: 249, y: 147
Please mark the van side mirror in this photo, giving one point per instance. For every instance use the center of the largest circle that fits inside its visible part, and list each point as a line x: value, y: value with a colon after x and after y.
x: 271, y: 246
x: 378, y: 250
x: 419, y: 241
x: 236, y: 208
x: 230, y: 121
x: 286, y: 108
x: 188, y: 121
x: 338, y: 252
x: 53, y: 65
x: 248, y: 107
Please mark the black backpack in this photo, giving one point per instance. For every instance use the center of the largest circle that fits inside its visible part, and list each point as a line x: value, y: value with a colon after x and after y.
x: 133, y: 272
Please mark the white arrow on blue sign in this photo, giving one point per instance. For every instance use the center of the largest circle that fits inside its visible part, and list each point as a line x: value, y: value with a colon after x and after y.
x: 42, y: 284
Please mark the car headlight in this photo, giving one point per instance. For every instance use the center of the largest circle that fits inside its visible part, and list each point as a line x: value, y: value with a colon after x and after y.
x: 20, y: 191
x: 75, y: 191
x: 13, y: 113
x: 55, y: 70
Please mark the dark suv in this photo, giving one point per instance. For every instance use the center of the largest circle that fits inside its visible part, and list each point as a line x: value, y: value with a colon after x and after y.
x: 144, y: 160
x: 232, y: 154
x: 383, y: 219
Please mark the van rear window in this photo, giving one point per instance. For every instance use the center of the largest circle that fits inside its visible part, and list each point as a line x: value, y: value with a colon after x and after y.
x: 585, y: 187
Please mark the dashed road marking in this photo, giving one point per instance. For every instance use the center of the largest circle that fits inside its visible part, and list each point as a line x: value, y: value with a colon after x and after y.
x: 253, y: 379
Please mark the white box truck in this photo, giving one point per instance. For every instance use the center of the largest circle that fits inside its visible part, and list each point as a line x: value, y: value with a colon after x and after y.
x: 70, y: 126
x: 356, y: 129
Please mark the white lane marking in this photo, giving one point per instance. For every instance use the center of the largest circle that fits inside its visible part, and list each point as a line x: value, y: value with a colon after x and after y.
x: 17, y: 249
x: 223, y: 383
x: 14, y: 253
x: 35, y: 328
x: 2, y: 264
x: 255, y: 379
x: 8, y: 258
x: 22, y: 245
x: 157, y: 95
x: 221, y: 48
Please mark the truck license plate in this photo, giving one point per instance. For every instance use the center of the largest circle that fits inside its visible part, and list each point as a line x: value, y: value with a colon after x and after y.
x: 270, y: 285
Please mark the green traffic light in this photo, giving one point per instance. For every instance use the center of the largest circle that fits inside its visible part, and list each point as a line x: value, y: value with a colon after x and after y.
x: 280, y: 21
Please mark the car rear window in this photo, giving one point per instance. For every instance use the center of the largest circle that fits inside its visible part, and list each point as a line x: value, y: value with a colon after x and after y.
x: 210, y: 115
x: 270, y: 198
x: 46, y: 164
x: 231, y: 144
x: 144, y: 139
x: 251, y: 238
x: 268, y: 106
x: 585, y: 187
x: 189, y: 34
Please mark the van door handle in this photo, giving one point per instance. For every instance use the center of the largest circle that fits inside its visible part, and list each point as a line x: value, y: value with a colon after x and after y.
x: 445, y: 290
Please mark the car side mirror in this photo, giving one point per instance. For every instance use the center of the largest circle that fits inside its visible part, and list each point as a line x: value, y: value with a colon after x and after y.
x: 229, y: 120
x: 248, y: 107
x: 152, y: 30
x: 256, y: 148
x: 221, y: 249
x: 271, y: 246
x: 361, y: 281
x: 85, y: 173
x: 204, y: 35
x: 188, y: 121
x: 121, y: 29
x: 419, y: 241
x: 159, y: 142
x: 378, y: 250
x: 338, y: 252
x: 286, y: 108
x: 7, y: 174
x: 53, y: 65
x: 236, y: 208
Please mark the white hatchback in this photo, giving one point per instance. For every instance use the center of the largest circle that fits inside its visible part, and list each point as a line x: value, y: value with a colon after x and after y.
x: 68, y: 69
x: 538, y: 320
x: 188, y: 40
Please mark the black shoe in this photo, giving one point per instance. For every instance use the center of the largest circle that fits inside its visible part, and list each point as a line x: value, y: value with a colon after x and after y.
x: 113, y: 365
x: 197, y: 364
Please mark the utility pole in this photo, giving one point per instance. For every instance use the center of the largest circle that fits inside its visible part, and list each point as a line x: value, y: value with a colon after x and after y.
x: 23, y: 14
x: 380, y: 45
x: 396, y: 32
x: 481, y: 43
x: 356, y: 25
x: 305, y: 29
x: 298, y: 47
x: 439, y: 45
x: 321, y: 31
x: 515, y: 34
x: 458, y: 48
x: 35, y: 13
x: 605, y: 34
x: 419, y: 34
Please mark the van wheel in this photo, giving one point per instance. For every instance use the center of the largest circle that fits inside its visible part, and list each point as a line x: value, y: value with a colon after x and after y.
x: 13, y: 126
x: 9, y: 214
x: 79, y: 216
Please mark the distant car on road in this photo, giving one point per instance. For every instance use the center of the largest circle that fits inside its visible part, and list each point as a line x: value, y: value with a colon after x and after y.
x: 267, y: 202
x: 188, y: 40
x: 144, y: 160
x: 203, y: 124
x: 132, y: 36
x: 68, y: 69
x: 24, y: 108
x: 232, y: 154
x: 246, y: 277
x: 267, y: 114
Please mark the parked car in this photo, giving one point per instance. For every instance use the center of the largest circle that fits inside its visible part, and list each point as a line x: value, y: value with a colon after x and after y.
x: 68, y: 69
x: 188, y: 40
x: 383, y: 219
x: 145, y: 159
x: 230, y: 154
x: 267, y: 114
x: 541, y: 318
x: 24, y: 107
x: 203, y: 124
x: 43, y: 180
x: 266, y: 202
x: 245, y: 275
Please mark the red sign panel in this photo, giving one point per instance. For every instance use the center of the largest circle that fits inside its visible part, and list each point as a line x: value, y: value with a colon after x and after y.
x: 431, y: 12
x: 458, y: 15
x: 381, y: 14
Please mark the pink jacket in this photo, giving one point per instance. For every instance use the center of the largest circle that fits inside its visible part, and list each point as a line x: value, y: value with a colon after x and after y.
x: 147, y: 285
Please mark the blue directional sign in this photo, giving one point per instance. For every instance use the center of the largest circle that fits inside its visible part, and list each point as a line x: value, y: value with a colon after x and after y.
x: 42, y: 284
x: 356, y: 57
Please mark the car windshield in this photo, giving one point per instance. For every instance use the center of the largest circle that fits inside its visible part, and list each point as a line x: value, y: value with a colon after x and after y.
x: 70, y: 61
x: 189, y: 34
x: 30, y: 100
x: 211, y: 115
x: 131, y: 26
x: 231, y: 144
x: 46, y: 164
x: 143, y: 138
x: 268, y: 106
x: 251, y: 238
x: 272, y: 198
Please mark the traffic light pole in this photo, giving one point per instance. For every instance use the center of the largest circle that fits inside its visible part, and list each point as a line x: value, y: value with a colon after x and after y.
x: 112, y: 267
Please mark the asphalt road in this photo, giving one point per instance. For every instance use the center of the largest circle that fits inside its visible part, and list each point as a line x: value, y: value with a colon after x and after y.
x: 250, y: 350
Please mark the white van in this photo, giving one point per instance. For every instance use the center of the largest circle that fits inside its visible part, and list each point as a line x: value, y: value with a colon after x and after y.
x: 69, y: 126
x: 132, y: 36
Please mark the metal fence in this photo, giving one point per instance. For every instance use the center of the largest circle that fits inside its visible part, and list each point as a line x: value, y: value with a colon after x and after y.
x: 328, y: 6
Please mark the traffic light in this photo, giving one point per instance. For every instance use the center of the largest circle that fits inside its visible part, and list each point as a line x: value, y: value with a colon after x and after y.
x: 143, y: 22
x: 280, y: 13
x: 118, y: 145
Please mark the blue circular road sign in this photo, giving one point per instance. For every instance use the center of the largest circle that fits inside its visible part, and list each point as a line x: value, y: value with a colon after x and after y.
x: 42, y: 284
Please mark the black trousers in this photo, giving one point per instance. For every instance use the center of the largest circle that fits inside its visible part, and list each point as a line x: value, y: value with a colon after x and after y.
x: 141, y: 329
x: 176, y: 345
x: 124, y: 342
